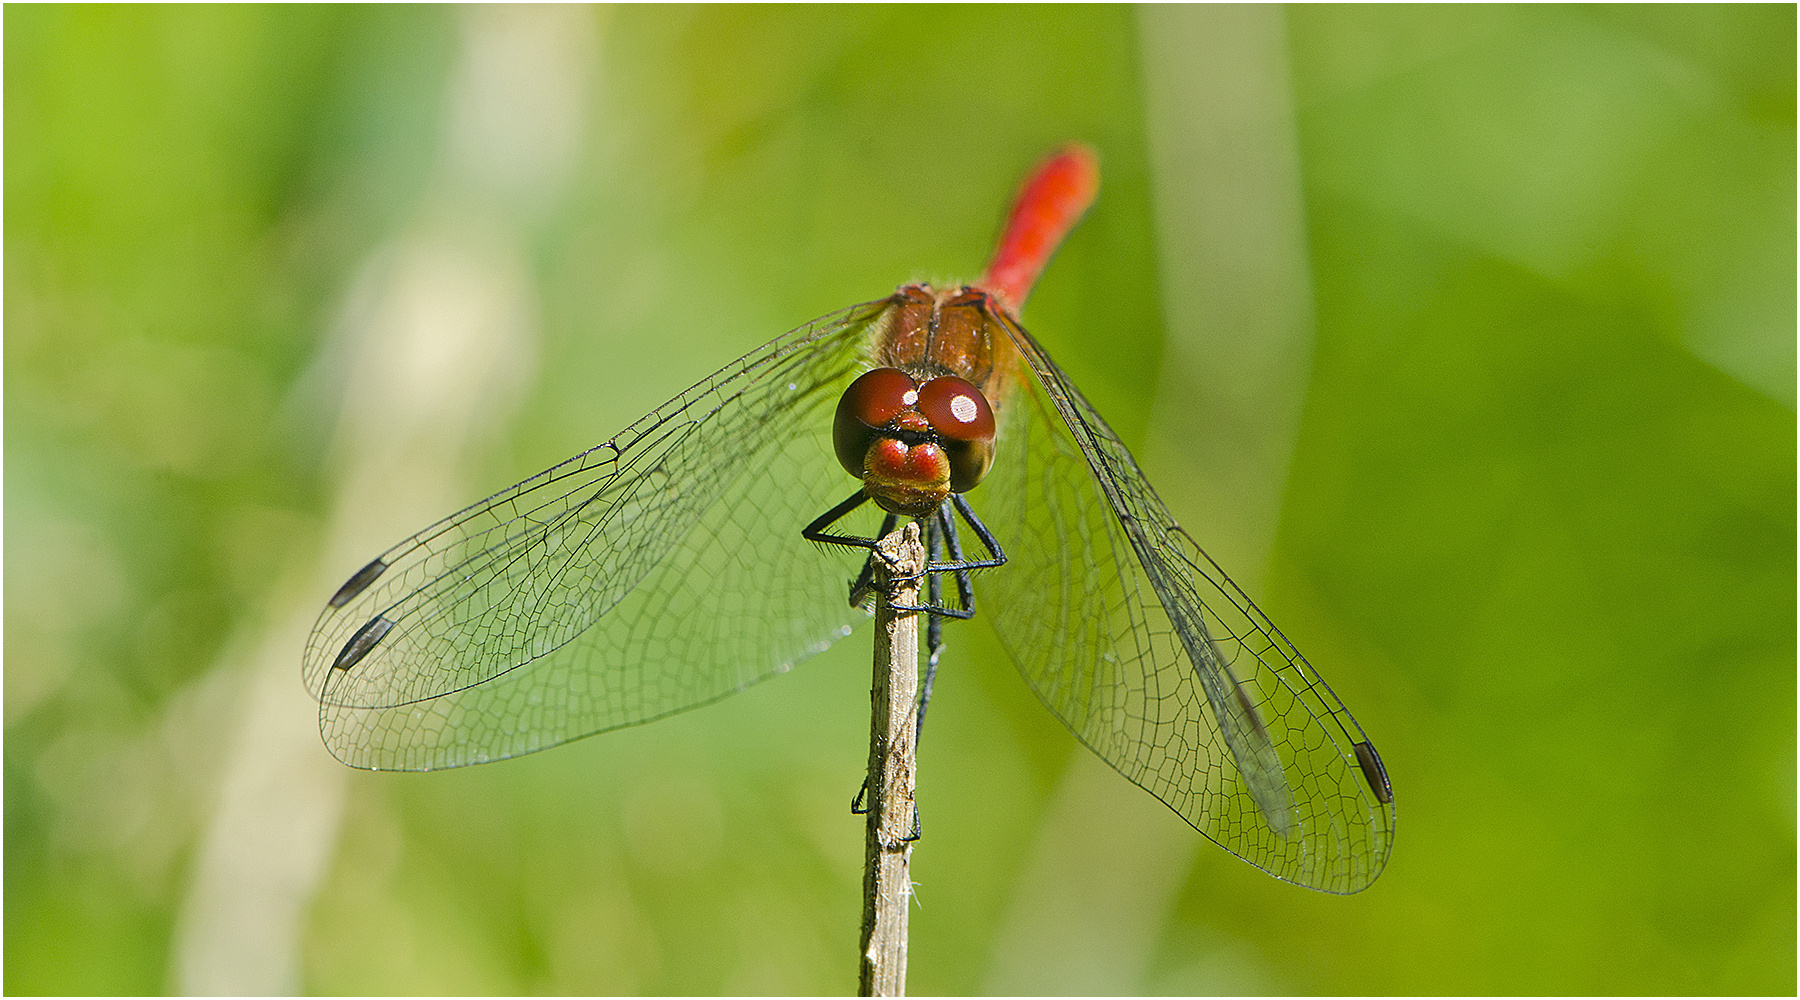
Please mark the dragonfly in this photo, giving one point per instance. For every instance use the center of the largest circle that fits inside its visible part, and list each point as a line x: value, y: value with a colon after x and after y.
x: 668, y: 568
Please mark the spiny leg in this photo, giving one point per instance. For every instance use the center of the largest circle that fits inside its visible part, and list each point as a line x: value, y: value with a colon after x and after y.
x: 965, y: 589
x: 940, y: 535
x: 865, y: 580
x: 815, y: 532
x: 934, y: 627
x: 859, y: 591
x: 934, y: 640
x: 996, y: 557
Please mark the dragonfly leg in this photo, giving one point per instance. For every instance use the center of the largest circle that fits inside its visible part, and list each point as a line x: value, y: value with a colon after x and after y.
x: 945, y: 524
x: 860, y: 808
x: 934, y: 627
x: 965, y: 590
x: 815, y: 532
x: 940, y: 537
x: 958, y: 563
x: 996, y: 557
x: 864, y: 585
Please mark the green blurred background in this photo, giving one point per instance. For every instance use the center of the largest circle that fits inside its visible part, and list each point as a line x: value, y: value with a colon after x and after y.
x: 1523, y: 284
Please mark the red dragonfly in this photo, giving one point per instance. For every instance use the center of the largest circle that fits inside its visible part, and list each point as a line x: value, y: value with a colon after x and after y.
x: 664, y: 570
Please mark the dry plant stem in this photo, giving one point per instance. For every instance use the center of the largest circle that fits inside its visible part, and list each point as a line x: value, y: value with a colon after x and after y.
x: 887, y: 879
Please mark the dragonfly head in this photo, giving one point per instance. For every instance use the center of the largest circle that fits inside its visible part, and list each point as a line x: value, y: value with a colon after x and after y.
x: 912, y: 442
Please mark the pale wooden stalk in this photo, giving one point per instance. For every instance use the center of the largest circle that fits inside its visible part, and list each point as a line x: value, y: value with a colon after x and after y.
x: 887, y: 878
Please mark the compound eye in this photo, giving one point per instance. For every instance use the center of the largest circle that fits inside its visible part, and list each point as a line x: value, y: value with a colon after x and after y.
x: 869, y: 404
x: 956, y: 410
x: 964, y: 423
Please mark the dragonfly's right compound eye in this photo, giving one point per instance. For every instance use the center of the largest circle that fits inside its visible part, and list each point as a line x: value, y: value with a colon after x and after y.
x: 871, y: 403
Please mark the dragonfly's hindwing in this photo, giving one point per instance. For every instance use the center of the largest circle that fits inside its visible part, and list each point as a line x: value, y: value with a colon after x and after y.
x: 647, y: 576
x: 1154, y: 659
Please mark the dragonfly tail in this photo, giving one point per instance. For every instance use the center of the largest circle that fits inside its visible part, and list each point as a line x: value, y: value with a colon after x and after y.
x: 1050, y: 204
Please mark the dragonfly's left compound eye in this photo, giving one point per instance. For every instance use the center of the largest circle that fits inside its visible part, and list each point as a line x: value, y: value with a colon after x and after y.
x: 964, y: 422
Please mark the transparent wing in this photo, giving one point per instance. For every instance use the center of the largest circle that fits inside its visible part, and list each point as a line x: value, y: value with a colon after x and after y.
x: 651, y: 574
x: 1133, y: 637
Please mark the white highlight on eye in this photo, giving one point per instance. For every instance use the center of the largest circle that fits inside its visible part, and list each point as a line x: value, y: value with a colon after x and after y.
x: 911, y: 398
x: 963, y: 408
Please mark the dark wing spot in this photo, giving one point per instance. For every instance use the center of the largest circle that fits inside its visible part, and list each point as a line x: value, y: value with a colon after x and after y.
x: 1250, y: 711
x: 363, y: 641
x: 357, y: 583
x: 1374, y: 773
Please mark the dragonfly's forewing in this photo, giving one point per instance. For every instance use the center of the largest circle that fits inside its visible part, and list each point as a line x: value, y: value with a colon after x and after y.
x: 1154, y: 659
x: 649, y: 575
